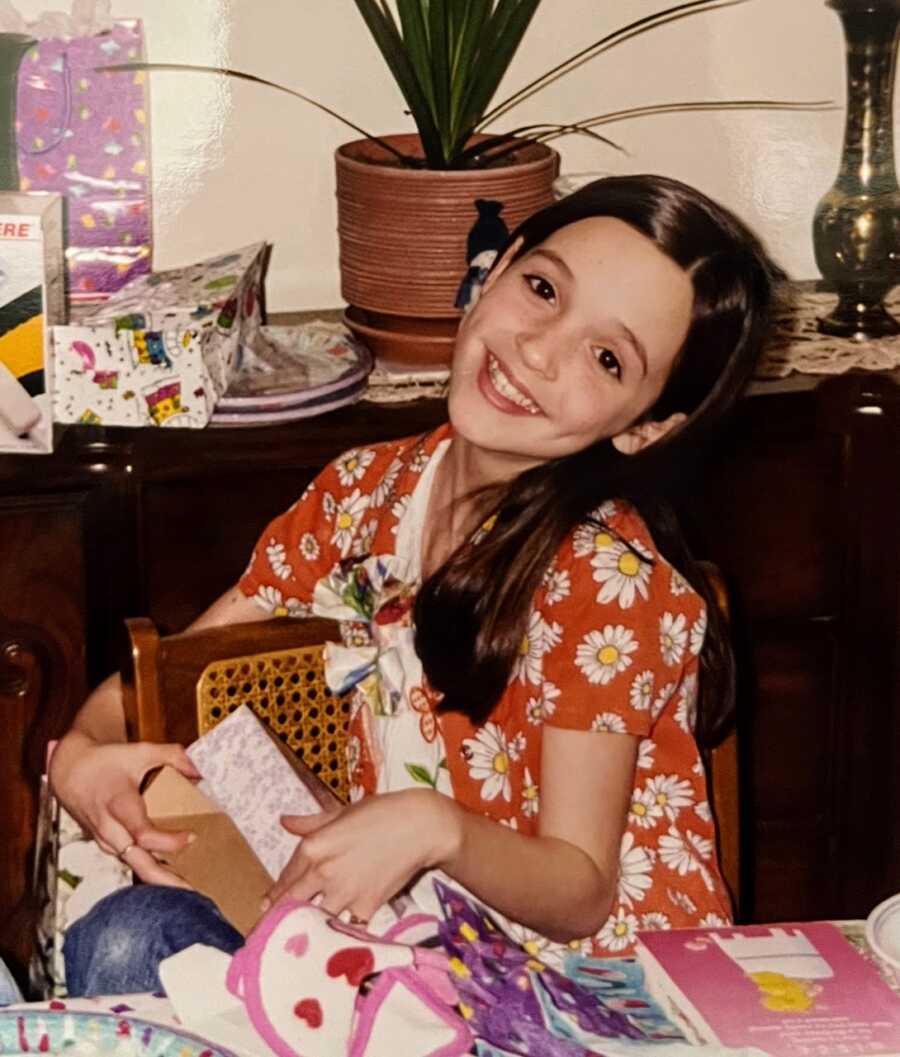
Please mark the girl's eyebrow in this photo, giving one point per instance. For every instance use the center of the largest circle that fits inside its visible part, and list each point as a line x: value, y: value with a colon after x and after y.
x: 637, y: 345
x: 553, y: 258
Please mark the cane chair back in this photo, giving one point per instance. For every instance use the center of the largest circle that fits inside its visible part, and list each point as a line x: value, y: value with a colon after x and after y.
x: 723, y: 775
x: 177, y: 687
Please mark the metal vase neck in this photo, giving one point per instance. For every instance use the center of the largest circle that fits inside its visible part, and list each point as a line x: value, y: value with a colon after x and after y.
x: 870, y: 30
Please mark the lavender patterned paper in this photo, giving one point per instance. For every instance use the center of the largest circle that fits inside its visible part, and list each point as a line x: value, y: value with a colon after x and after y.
x: 247, y: 776
x: 85, y: 133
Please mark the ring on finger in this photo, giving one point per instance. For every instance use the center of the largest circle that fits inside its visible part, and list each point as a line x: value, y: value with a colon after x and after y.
x: 120, y: 855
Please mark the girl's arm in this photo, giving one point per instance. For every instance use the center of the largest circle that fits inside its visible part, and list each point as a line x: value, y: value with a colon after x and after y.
x: 559, y: 883
x: 97, y: 776
x: 562, y: 882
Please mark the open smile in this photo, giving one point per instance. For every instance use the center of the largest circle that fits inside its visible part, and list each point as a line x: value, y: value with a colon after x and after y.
x: 498, y: 387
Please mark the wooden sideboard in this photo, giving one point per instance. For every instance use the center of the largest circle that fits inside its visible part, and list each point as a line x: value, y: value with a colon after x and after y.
x: 802, y: 513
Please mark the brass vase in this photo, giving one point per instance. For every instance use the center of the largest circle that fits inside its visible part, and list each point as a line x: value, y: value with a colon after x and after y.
x: 856, y: 230
x: 12, y: 49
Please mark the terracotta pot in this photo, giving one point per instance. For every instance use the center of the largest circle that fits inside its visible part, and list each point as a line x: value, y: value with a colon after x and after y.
x: 402, y: 232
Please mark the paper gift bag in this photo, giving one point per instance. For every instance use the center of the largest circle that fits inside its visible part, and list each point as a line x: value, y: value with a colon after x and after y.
x: 85, y: 134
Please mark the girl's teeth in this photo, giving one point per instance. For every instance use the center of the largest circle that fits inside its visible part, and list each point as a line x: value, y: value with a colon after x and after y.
x: 503, y: 385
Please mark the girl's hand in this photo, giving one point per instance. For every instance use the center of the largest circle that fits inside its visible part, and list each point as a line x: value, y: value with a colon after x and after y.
x: 100, y: 786
x: 356, y: 858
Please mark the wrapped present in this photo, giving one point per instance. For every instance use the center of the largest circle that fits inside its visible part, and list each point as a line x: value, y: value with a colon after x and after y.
x: 162, y: 350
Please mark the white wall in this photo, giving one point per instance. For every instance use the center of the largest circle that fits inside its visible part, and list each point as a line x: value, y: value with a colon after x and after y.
x: 234, y: 162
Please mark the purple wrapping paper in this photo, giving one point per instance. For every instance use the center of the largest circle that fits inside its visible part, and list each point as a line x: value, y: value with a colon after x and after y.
x: 85, y: 133
x: 500, y: 988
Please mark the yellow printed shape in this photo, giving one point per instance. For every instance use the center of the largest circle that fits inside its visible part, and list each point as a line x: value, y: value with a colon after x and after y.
x: 87, y: 221
x: 22, y: 348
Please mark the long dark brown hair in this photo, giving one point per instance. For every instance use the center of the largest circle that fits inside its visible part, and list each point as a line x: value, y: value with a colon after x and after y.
x: 472, y: 613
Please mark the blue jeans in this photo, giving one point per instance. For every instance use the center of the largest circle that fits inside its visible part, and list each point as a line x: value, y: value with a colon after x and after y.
x: 116, y: 948
x: 9, y: 992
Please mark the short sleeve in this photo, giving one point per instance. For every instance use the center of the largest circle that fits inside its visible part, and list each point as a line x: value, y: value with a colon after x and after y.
x: 304, y: 543
x: 623, y: 631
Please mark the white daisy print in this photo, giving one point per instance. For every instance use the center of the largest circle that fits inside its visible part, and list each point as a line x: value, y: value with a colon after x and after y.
x: 385, y: 486
x: 557, y: 585
x: 698, y: 634
x: 608, y: 723
x: 655, y: 920
x: 398, y: 509
x: 540, y: 637
x: 622, y: 573
x: 540, y: 708
x: 641, y: 693
x: 678, y: 585
x: 646, y: 749
x: 510, y: 823
x: 531, y: 797
x: 644, y: 811
x: 357, y: 792
x: 686, y: 709
x: 681, y: 900
x: 672, y: 638
x: 712, y: 921
x: 683, y: 854
x: 588, y: 540
x: 309, y: 546
x: 272, y: 601
x: 362, y: 545
x: 488, y: 756
x: 618, y: 932
x: 329, y: 504
x: 703, y: 810
x: 347, y: 515
x: 671, y: 793
x: 419, y: 461
x: 662, y: 699
x: 278, y: 560
x: 351, y: 466
x: 601, y: 655
x: 354, y: 751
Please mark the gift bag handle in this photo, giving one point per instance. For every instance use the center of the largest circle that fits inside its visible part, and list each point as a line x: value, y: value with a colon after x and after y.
x: 66, y: 76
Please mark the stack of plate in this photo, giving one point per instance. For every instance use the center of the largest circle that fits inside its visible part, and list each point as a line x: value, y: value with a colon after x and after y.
x: 291, y: 373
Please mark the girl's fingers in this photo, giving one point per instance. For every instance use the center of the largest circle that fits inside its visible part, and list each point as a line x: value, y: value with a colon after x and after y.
x: 129, y: 812
x: 151, y: 870
x: 304, y: 825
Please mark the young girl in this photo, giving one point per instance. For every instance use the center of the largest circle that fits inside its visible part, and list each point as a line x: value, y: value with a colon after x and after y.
x: 529, y: 729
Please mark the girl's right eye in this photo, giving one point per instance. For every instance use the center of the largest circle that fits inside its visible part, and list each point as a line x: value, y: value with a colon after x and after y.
x: 541, y: 287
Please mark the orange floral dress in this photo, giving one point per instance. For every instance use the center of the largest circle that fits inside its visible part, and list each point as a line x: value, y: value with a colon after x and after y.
x: 612, y: 644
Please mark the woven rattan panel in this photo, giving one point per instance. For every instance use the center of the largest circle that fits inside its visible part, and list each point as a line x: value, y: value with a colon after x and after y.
x: 287, y: 690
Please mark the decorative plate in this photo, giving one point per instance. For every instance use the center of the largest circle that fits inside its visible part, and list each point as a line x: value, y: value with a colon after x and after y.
x: 226, y: 416
x: 287, y: 367
x: 51, y: 1032
x: 883, y: 932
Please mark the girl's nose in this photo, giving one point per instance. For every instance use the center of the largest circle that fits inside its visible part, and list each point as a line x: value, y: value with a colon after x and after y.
x: 539, y: 352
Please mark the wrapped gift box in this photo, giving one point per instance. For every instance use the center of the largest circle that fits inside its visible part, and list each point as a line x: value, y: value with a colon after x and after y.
x: 32, y: 299
x: 162, y: 350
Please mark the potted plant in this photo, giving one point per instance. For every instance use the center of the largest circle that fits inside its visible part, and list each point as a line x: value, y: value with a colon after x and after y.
x: 406, y: 202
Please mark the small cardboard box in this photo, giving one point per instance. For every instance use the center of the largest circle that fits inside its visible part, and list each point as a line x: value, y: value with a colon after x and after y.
x: 32, y: 300
x: 249, y: 780
x: 162, y: 350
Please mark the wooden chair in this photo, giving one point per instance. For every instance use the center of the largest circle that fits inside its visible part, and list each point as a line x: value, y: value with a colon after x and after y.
x: 179, y: 686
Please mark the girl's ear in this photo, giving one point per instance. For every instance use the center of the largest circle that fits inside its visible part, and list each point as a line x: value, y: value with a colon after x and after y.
x: 643, y: 434
x: 501, y: 265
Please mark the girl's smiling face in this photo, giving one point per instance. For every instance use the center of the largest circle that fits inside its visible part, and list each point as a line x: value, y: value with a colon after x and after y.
x: 569, y: 344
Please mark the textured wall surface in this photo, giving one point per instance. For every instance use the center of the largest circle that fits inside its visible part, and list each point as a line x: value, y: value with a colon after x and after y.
x: 234, y: 162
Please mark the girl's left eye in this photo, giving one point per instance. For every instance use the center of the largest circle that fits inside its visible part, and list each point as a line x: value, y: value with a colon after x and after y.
x: 608, y: 361
x: 540, y: 286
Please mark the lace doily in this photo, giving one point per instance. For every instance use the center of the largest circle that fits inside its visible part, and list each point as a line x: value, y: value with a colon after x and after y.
x: 797, y: 345
x: 393, y: 385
